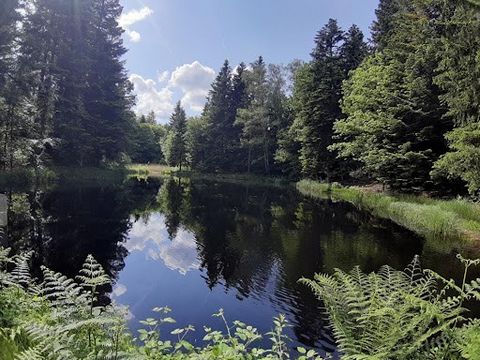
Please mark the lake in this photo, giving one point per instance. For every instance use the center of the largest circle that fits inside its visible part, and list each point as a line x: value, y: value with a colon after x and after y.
x: 199, y: 245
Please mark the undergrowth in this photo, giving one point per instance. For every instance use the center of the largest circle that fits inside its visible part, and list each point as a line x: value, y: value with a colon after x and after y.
x: 413, y: 314
x: 60, y: 318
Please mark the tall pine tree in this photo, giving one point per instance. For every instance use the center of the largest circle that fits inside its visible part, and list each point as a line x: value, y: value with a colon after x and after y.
x: 254, y: 118
x: 383, y: 27
x: 317, y: 94
x: 225, y: 97
x: 175, y: 146
x: 108, y: 97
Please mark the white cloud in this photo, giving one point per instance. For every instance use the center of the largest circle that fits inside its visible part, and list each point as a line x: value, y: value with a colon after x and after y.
x: 131, y: 17
x: 134, y: 36
x: 192, y: 76
x: 190, y: 81
x: 194, y: 80
x: 149, y: 98
x: 163, y: 76
x: 195, y: 99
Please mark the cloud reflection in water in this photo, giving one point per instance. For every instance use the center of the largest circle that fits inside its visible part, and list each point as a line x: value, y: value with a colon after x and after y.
x: 151, y: 237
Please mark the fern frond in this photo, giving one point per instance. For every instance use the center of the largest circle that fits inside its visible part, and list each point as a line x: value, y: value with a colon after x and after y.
x: 21, y: 272
x: 33, y: 353
x: 390, y: 314
x: 92, y: 274
x: 4, y: 257
x: 60, y: 290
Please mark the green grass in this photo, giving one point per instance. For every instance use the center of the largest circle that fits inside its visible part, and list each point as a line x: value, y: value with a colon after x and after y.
x: 454, y: 219
x: 150, y: 170
x: 143, y: 171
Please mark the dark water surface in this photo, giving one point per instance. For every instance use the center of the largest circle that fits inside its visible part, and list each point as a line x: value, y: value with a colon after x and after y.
x: 197, y: 246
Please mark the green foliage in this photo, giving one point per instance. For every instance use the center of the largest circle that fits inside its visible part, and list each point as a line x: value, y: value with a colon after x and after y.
x: 223, y: 136
x: 463, y: 159
x: 254, y: 120
x: 395, y: 121
x: 384, y: 25
x: 60, y: 319
x: 174, y: 148
x: 196, y: 143
x: 410, y: 314
x: 146, y: 141
x: 64, y: 91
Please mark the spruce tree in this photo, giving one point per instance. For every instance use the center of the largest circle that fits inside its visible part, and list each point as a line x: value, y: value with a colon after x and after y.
x: 107, y: 99
x: 317, y: 94
x: 354, y: 49
x: 238, y: 100
x: 175, y: 147
x: 457, y: 75
x: 8, y: 34
x: 15, y: 120
x: 383, y: 27
x: 218, y: 114
x: 81, y: 93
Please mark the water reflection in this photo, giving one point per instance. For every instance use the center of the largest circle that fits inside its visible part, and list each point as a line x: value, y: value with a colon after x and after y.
x: 154, y: 239
x: 197, y: 246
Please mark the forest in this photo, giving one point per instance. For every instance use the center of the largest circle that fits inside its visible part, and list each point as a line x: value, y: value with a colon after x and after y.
x: 401, y: 110
x: 380, y: 133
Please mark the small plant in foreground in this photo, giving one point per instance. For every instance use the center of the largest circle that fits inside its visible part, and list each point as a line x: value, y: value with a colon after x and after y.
x: 410, y: 314
x: 60, y: 318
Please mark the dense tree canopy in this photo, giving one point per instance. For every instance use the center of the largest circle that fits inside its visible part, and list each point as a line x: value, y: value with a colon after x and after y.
x: 403, y: 110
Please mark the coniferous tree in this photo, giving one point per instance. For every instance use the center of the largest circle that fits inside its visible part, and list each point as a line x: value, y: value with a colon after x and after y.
x: 8, y: 19
x: 175, y: 146
x: 108, y: 97
x: 71, y: 125
x: 457, y: 75
x: 317, y: 94
x: 254, y: 119
x: 288, y: 144
x: 39, y: 53
x: 395, y: 121
x: 238, y: 100
x: 217, y: 113
x: 15, y: 120
x: 384, y: 25
x: 354, y: 49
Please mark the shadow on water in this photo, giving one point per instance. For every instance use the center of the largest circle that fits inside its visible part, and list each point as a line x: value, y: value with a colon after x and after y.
x: 198, y: 245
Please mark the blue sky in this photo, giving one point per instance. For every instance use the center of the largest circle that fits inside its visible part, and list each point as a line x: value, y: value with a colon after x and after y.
x: 176, y: 46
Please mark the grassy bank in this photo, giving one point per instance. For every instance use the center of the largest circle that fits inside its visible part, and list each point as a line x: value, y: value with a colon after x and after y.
x: 144, y: 171
x: 422, y: 215
x: 153, y: 170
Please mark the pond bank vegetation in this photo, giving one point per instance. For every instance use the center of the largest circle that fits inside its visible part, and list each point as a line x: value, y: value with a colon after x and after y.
x: 426, y: 216
x: 142, y: 171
